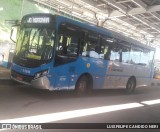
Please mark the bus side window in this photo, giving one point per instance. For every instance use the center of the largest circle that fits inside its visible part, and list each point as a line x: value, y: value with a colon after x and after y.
x: 145, y: 57
x: 125, y: 54
x: 105, y: 49
x: 68, y: 43
x: 115, y: 54
x: 91, y: 46
x: 69, y: 39
x: 135, y: 55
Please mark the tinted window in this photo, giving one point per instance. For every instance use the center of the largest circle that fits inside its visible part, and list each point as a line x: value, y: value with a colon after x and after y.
x: 91, y: 46
x: 105, y: 48
x: 115, y: 53
x: 69, y: 39
x: 125, y: 54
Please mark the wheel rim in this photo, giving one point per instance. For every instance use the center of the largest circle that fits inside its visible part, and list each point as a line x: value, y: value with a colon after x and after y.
x: 82, y: 86
x: 130, y: 86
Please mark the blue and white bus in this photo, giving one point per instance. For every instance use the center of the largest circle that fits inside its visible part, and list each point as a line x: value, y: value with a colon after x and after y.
x: 56, y: 53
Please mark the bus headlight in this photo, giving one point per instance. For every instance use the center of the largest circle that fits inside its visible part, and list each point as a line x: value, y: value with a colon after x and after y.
x: 40, y: 74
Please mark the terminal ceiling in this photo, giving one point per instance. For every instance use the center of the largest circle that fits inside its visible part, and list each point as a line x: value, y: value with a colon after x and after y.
x: 137, y: 19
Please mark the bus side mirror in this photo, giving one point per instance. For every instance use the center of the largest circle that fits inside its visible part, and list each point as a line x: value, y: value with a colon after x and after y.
x: 13, y: 35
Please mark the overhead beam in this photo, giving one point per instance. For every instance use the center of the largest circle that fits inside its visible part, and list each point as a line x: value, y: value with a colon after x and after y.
x: 116, y: 13
x: 70, y: 13
x: 124, y: 1
x: 156, y: 22
x: 122, y: 8
x: 136, y: 11
x: 157, y: 16
x: 93, y: 4
x: 123, y: 11
x: 140, y: 3
x: 73, y: 7
x: 147, y: 23
x: 153, y: 8
x: 141, y: 19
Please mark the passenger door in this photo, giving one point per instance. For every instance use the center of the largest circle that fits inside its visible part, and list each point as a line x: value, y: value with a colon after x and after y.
x: 66, y: 56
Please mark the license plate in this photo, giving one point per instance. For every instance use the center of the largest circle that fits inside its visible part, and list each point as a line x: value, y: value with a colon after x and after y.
x: 19, y: 78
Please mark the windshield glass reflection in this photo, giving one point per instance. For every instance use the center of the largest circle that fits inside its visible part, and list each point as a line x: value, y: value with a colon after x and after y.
x: 35, y: 43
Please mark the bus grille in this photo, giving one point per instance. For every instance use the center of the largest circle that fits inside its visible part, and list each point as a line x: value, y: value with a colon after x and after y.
x: 19, y: 76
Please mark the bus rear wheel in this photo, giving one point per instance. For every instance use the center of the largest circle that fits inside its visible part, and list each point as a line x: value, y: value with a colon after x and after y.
x: 131, y: 85
x: 82, y: 85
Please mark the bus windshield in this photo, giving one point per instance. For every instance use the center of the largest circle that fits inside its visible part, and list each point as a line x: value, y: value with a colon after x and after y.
x: 35, y: 43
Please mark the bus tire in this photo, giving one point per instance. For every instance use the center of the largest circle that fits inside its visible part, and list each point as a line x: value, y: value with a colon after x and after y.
x: 82, y: 85
x: 131, y: 85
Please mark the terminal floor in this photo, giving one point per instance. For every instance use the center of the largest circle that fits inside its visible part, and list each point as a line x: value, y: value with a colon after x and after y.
x: 17, y: 101
x: 4, y: 73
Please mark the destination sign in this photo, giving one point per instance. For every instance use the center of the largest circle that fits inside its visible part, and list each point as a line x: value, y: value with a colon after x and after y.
x: 38, y: 20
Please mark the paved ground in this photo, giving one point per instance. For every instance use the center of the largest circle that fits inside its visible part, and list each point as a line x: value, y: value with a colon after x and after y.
x: 18, y: 101
x: 4, y: 73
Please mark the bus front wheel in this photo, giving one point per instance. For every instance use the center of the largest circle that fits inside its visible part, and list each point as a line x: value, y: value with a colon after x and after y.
x: 81, y: 86
x: 131, y: 85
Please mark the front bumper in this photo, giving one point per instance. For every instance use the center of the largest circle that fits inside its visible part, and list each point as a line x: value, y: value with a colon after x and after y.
x: 40, y: 83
